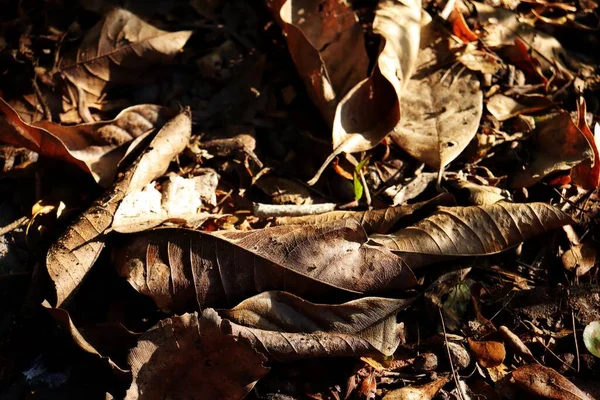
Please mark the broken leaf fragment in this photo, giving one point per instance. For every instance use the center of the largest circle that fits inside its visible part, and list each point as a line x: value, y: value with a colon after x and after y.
x: 194, y: 358
x: 422, y: 392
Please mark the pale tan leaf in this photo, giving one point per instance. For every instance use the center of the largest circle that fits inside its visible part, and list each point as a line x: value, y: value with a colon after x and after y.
x: 317, y: 262
x: 120, y: 49
x: 503, y: 107
x: 182, y: 357
x: 71, y: 257
x: 480, y: 195
x: 422, y: 392
x: 472, y: 231
x: 374, y: 221
x: 285, y: 326
x: 547, y: 383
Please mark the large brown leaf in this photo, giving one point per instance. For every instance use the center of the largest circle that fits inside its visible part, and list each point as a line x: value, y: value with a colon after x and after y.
x: 72, y: 256
x: 182, y: 357
x: 473, y: 231
x: 223, y: 268
x: 287, y: 327
x: 120, y: 49
x: 95, y: 147
x: 373, y: 221
x: 547, y: 383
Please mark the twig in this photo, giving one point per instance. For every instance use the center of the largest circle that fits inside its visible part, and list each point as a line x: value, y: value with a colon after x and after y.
x: 291, y: 210
x: 366, y: 188
x: 13, y: 225
x: 575, y: 337
x: 454, y: 374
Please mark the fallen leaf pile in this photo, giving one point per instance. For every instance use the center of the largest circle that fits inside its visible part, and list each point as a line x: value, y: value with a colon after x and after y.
x: 289, y: 199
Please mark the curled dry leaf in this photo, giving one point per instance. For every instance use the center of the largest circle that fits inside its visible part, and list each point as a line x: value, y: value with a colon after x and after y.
x: 440, y: 113
x: 471, y: 231
x: 226, y: 267
x: 480, y: 195
x: 422, y: 392
x: 488, y: 353
x: 580, y: 257
x: 120, y: 49
x: 503, y: 107
x: 547, y: 383
x: 95, y: 147
x: 285, y: 326
x: 374, y: 221
x: 71, y: 257
x: 587, y: 174
x: 560, y: 145
x: 184, y: 357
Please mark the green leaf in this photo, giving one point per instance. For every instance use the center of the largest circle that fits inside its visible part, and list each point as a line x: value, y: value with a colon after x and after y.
x: 358, y: 187
x: 591, y: 338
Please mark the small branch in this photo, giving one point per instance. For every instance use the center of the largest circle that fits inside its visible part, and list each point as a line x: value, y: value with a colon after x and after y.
x: 291, y: 210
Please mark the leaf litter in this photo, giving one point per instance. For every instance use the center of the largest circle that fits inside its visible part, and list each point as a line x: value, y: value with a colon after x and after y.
x: 444, y: 246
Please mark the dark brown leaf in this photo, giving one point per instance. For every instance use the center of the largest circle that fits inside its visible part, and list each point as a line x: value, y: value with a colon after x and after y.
x: 182, y: 357
x: 547, y: 383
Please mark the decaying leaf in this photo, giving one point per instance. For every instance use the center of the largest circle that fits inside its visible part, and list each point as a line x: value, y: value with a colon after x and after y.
x: 547, y: 383
x: 581, y: 257
x: 591, y: 338
x: 95, y: 147
x: 71, y: 257
x: 226, y: 267
x: 374, y: 221
x: 504, y: 107
x: 587, y: 174
x: 480, y: 195
x: 488, y: 353
x: 440, y: 113
x: 560, y: 146
x: 179, y: 201
x: 422, y: 392
x: 189, y: 357
x: 285, y: 326
x: 120, y: 49
x: 470, y: 231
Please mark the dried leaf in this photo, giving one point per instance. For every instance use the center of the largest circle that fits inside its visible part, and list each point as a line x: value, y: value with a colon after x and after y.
x: 183, y: 357
x: 488, y: 353
x: 587, y: 174
x: 591, y: 338
x: 470, y: 231
x: 371, y: 109
x: 503, y: 107
x: 94, y: 147
x: 374, y: 221
x: 546, y: 382
x: 480, y: 195
x: 226, y: 267
x: 423, y: 392
x: 285, y: 326
x: 560, y: 145
x: 120, y: 49
x: 581, y: 257
x: 71, y: 257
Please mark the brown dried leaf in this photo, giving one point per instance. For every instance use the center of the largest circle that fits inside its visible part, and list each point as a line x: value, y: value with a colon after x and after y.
x: 471, y: 231
x: 488, y: 353
x: 120, y: 49
x: 285, y: 326
x: 587, y: 174
x: 547, y: 383
x: 480, y: 195
x: 422, y: 392
x: 183, y: 357
x: 95, y: 147
x: 226, y: 267
x: 74, y: 253
x: 581, y: 257
x: 503, y: 107
x: 374, y: 221
x: 560, y: 145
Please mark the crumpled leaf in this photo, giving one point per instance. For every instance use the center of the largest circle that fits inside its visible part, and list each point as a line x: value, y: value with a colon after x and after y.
x: 480, y: 195
x: 580, y: 257
x: 374, y: 221
x: 285, y: 326
x: 223, y: 268
x: 547, y: 383
x: 488, y: 353
x: 120, y: 49
x: 421, y: 392
x: 587, y: 174
x: 361, y: 109
x: 71, y: 257
x: 94, y: 147
x: 472, y: 231
x: 560, y: 146
x: 187, y: 357
x: 440, y: 113
x: 503, y: 107
x: 591, y: 338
